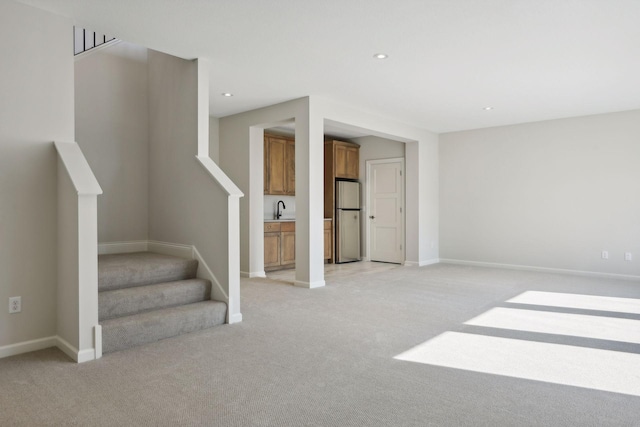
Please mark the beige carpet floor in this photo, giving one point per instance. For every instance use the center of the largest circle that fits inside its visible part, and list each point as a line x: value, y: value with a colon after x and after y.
x: 324, y: 357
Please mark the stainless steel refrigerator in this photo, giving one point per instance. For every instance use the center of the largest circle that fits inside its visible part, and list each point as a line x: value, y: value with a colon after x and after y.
x: 347, y: 221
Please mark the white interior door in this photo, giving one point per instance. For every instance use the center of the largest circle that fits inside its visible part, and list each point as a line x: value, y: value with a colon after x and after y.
x: 385, y: 216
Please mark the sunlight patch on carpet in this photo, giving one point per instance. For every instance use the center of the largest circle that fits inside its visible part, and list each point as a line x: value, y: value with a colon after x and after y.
x: 591, y: 368
x: 586, y: 302
x: 577, y: 325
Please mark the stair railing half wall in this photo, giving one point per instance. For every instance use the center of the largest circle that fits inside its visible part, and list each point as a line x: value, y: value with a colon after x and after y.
x: 79, y: 334
x: 234, y: 315
x: 234, y: 194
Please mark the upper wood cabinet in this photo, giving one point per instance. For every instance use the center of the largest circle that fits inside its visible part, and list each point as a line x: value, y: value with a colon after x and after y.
x: 347, y: 160
x: 279, y: 165
x: 341, y: 160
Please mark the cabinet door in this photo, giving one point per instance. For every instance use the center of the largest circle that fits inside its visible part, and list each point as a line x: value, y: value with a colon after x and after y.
x: 276, y: 165
x: 327, y: 244
x: 290, y: 168
x: 288, y: 245
x: 340, y: 159
x: 272, y: 249
x: 352, y: 163
x: 347, y: 161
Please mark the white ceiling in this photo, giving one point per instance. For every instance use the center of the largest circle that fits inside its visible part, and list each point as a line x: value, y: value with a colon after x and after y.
x: 529, y: 59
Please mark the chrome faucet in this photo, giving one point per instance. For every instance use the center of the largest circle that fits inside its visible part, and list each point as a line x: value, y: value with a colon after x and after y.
x: 278, y: 213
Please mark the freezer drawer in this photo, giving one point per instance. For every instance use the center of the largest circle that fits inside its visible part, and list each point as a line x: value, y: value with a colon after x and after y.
x: 348, y: 236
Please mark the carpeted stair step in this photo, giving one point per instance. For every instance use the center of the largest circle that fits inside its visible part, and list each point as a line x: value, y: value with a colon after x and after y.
x: 116, y: 271
x: 128, y: 301
x: 129, y: 331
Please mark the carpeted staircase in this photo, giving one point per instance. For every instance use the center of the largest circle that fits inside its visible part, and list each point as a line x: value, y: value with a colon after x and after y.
x: 145, y: 297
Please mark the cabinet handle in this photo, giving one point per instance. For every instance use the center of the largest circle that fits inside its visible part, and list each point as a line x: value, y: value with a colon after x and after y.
x: 372, y: 217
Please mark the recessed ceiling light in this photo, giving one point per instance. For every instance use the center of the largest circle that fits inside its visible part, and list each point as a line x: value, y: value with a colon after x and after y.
x: 488, y: 108
x: 227, y: 94
x: 381, y: 56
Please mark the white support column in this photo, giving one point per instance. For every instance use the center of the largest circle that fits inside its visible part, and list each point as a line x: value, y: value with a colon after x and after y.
x: 309, y: 200
x: 256, y: 202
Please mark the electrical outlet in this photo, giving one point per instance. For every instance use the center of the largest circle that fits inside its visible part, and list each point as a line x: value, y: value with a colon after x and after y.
x: 15, y: 305
x: 605, y: 255
x: 628, y: 256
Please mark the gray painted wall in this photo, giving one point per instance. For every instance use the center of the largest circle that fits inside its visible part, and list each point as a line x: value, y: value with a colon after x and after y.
x: 549, y: 194
x: 36, y: 108
x: 186, y: 206
x: 112, y: 128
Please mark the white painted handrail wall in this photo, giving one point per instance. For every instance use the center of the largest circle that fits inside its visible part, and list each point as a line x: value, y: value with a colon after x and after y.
x: 79, y: 334
x: 233, y: 237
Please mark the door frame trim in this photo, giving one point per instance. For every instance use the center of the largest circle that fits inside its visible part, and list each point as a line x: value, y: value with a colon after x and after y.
x: 367, y: 203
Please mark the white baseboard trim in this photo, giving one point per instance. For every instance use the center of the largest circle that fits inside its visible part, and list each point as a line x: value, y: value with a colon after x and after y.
x: 173, y: 249
x: 97, y: 340
x: 421, y: 263
x: 27, y: 346
x: 78, y: 356
x: 86, y: 355
x: 236, y: 318
x: 540, y: 269
x: 123, y: 247
x: 309, y: 285
x: 42, y: 343
x: 67, y: 348
x: 251, y: 275
x: 429, y: 262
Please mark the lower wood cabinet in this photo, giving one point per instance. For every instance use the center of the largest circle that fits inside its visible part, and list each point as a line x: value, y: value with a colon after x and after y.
x: 288, y: 244
x: 272, y: 250
x: 328, y: 243
x: 280, y: 244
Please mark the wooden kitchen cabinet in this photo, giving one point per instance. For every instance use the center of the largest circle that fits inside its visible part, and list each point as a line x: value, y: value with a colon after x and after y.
x: 328, y: 239
x: 272, y: 245
x: 341, y: 160
x: 347, y: 161
x: 288, y: 243
x: 279, y: 245
x: 279, y: 165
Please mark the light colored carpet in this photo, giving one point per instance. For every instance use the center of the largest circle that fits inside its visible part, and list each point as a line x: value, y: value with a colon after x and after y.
x: 324, y: 357
x: 117, y: 271
x: 145, y: 297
